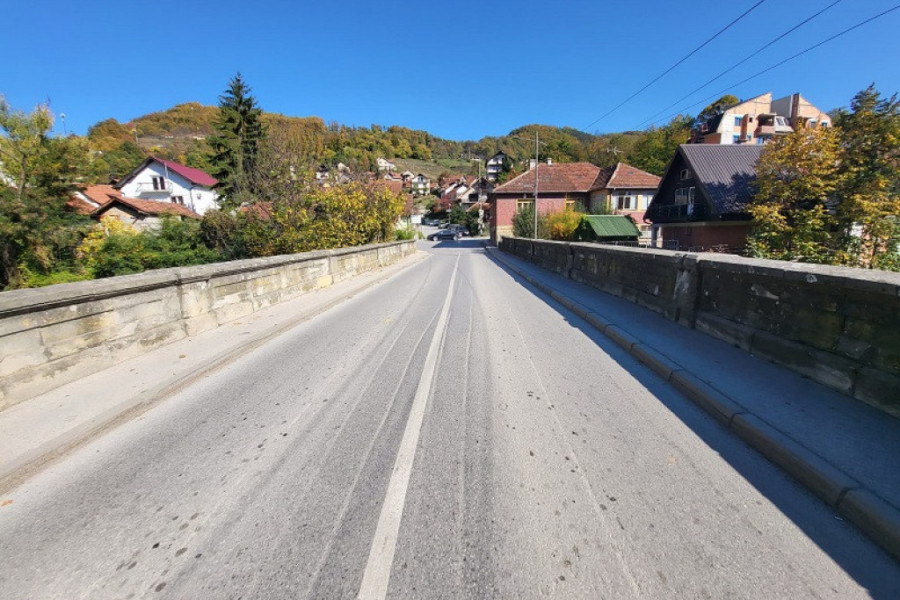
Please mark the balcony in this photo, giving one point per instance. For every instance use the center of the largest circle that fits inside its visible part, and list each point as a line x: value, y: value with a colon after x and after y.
x: 676, y: 213
x: 148, y: 187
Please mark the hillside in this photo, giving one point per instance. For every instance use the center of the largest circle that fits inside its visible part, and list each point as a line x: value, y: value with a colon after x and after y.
x: 181, y: 133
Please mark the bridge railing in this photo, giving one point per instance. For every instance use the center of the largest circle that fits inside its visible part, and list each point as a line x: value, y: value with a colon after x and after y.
x: 836, y: 325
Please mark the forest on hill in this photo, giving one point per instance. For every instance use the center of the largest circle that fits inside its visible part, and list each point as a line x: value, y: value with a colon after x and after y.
x: 181, y: 133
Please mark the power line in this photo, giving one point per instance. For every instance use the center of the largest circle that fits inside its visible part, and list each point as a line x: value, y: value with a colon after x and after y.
x: 739, y: 63
x: 778, y: 64
x: 667, y: 71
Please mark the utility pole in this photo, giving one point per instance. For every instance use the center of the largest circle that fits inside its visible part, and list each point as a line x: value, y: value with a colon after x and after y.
x: 537, y: 161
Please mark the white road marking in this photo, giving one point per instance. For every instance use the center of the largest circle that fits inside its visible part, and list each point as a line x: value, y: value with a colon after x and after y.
x: 381, y: 556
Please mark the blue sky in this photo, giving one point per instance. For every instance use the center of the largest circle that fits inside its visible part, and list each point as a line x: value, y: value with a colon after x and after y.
x: 460, y: 70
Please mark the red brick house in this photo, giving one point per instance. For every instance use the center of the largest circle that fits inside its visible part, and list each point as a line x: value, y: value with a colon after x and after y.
x: 559, y: 186
x: 618, y: 189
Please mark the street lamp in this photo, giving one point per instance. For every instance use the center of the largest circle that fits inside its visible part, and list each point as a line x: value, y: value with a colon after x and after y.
x: 537, y: 161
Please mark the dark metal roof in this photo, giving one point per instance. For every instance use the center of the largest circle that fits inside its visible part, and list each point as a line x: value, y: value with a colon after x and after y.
x: 726, y: 172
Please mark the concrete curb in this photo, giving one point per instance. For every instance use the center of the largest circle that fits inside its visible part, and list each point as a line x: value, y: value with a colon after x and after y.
x: 874, y: 516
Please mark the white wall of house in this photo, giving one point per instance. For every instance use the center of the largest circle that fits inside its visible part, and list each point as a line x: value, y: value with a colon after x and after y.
x: 156, y: 182
x: 420, y: 185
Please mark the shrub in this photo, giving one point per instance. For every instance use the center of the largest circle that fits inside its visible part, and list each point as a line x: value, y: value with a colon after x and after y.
x: 523, y: 224
x: 562, y: 225
x: 175, y: 244
x: 405, y: 233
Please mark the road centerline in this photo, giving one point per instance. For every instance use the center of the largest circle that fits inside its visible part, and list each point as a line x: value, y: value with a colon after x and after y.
x: 377, y: 573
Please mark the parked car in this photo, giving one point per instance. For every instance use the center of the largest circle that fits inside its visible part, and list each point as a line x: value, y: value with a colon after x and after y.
x: 445, y: 234
x: 460, y: 228
x: 430, y: 222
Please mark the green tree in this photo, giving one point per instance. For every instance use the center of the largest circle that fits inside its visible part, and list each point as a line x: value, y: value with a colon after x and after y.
x: 458, y: 214
x: 37, y: 234
x: 656, y: 147
x: 717, y: 107
x: 473, y: 223
x: 23, y: 141
x: 869, y: 191
x: 796, y: 177
x: 235, y: 148
x: 523, y: 223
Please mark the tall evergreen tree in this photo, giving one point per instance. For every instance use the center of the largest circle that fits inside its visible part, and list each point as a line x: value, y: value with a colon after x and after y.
x: 236, y: 147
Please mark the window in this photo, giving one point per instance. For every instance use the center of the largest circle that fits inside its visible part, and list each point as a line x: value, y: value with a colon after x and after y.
x: 524, y: 204
x: 178, y: 200
x: 684, y: 196
x: 159, y: 183
x: 737, y: 121
x: 685, y: 174
x: 624, y: 202
x: 735, y: 139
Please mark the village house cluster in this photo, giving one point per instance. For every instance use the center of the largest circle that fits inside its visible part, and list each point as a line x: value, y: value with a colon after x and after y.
x: 699, y: 203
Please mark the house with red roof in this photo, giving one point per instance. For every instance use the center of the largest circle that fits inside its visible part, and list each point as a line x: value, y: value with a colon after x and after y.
x: 162, y: 180
x: 142, y: 214
x: 619, y: 189
x: 86, y: 199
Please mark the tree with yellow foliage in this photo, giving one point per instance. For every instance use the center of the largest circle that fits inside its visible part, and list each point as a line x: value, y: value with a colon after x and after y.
x: 796, y: 176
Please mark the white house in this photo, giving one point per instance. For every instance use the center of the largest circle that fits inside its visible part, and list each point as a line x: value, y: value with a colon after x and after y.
x: 166, y: 181
x: 494, y: 165
x: 384, y: 164
x: 420, y: 184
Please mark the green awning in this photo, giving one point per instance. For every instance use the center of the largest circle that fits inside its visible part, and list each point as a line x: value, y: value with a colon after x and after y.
x: 612, y: 226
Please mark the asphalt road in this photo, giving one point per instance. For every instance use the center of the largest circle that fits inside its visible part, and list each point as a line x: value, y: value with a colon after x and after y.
x: 447, y: 434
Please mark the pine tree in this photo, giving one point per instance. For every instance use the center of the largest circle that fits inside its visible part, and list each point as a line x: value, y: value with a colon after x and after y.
x: 236, y: 147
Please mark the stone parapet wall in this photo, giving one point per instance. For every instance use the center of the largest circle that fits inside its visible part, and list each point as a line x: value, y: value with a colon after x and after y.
x: 57, y: 334
x: 835, y: 325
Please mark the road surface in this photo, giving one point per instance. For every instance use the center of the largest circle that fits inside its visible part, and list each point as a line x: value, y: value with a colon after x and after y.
x: 449, y: 433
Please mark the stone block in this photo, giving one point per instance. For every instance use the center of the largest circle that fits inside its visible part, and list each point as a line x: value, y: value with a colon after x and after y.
x: 876, y: 517
x: 21, y: 351
x: 879, y: 389
x: 821, y: 477
x: 658, y: 362
x: 736, y: 334
x: 713, y: 401
x: 826, y: 368
x: 70, y: 337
